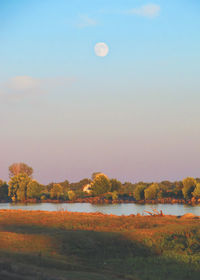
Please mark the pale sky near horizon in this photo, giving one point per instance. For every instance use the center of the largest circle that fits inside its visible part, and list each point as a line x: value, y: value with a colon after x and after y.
x: 133, y: 114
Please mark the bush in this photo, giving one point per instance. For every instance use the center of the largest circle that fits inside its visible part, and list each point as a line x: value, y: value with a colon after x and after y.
x: 43, y: 197
x: 71, y: 195
x: 115, y: 195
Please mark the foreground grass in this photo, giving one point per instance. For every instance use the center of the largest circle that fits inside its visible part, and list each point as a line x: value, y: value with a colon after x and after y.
x: 65, y: 245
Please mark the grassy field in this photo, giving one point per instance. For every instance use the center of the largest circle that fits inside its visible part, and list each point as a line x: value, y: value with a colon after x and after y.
x: 77, y: 246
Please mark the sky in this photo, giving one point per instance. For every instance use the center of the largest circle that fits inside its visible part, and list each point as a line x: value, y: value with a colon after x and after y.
x: 133, y: 114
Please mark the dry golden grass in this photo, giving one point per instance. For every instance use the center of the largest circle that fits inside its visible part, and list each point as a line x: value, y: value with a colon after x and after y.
x: 109, y: 246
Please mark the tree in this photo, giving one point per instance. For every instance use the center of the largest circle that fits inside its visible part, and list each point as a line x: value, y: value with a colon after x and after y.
x: 34, y: 190
x: 115, y: 185
x: 65, y: 184
x: 164, y: 190
x: 94, y: 174
x: 56, y: 191
x: 189, y: 184
x: 151, y: 192
x: 139, y: 192
x: 101, y: 184
x: 17, y: 168
x: 127, y: 187
x: 18, y: 187
x: 196, y: 192
x: 3, y: 190
x: 178, y: 186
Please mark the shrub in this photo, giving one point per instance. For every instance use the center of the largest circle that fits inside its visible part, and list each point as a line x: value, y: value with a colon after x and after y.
x: 115, y: 195
x: 71, y: 195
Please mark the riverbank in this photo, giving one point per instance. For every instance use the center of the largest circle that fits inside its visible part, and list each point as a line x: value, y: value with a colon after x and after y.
x: 62, y: 245
x: 102, y: 200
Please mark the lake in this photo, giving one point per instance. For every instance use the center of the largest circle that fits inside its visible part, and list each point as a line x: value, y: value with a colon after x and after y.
x: 116, y: 209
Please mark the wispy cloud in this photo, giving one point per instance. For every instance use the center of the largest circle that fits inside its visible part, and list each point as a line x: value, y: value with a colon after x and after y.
x: 23, y: 86
x: 149, y: 11
x: 22, y: 83
x: 85, y: 21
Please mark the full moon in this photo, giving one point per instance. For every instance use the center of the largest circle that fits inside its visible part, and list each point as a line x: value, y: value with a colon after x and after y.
x: 101, y: 49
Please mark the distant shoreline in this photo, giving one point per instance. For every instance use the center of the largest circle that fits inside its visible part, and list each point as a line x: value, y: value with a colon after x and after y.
x: 101, y: 200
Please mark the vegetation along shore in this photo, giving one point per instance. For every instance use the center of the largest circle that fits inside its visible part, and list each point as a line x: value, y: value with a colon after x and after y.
x: 97, y: 189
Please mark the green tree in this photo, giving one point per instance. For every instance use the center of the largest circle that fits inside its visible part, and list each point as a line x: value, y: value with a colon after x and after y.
x: 127, y: 188
x: 56, y: 191
x: 101, y: 184
x: 17, y: 168
x: 139, y: 192
x: 189, y: 184
x: 163, y: 190
x: 196, y: 192
x: 151, y: 192
x: 3, y: 190
x: 18, y: 187
x: 34, y: 189
x: 178, y: 186
x: 115, y: 185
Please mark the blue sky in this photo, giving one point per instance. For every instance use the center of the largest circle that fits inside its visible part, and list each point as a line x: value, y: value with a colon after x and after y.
x: 133, y: 114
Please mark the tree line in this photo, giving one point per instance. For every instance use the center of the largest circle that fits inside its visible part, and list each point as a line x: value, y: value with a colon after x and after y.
x: 22, y: 187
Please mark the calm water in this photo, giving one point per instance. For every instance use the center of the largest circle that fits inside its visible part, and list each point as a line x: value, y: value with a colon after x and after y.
x: 116, y: 209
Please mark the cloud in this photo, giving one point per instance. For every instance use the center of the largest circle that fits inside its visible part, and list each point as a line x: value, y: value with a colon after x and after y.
x: 22, y: 83
x: 149, y: 11
x: 85, y: 21
x: 23, y: 86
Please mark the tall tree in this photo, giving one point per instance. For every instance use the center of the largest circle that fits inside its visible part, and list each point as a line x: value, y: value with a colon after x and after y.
x: 17, y: 189
x: 19, y: 168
